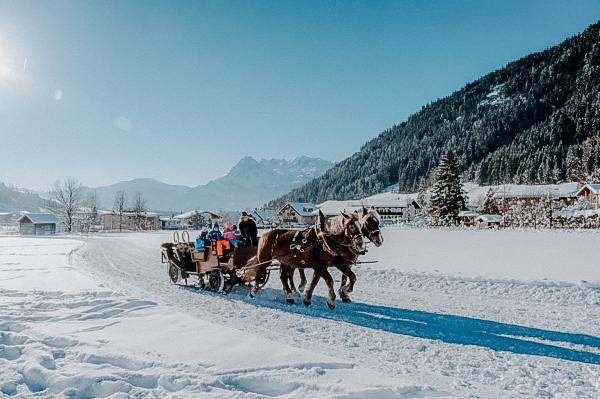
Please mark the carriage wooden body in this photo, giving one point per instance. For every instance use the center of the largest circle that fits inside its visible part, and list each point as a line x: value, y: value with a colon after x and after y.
x: 207, y: 269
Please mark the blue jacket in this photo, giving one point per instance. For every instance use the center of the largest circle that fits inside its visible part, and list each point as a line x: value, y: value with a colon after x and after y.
x: 215, y: 235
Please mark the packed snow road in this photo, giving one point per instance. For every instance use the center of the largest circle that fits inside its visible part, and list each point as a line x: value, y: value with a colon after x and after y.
x: 455, y: 313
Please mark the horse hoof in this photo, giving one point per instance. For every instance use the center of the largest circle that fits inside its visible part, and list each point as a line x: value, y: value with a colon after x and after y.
x: 346, y: 300
x: 307, y: 303
x: 331, y: 306
x: 291, y: 300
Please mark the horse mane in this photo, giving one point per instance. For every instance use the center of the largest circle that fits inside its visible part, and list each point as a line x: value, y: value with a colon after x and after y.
x: 369, y: 212
x: 336, y: 225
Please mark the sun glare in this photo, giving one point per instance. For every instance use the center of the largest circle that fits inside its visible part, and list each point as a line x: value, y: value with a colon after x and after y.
x: 12, y: 65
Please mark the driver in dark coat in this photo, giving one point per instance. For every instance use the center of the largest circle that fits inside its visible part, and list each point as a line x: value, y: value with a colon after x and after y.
x: 248, y: 230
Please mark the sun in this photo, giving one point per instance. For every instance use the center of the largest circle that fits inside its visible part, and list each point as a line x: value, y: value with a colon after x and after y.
x: 13, y: 65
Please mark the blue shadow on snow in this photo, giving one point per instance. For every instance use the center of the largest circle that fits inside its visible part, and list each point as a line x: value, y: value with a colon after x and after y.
x: 447, y: 328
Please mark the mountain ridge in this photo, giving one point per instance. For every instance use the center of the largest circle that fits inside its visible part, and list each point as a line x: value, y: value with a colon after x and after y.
x: 249, y: 184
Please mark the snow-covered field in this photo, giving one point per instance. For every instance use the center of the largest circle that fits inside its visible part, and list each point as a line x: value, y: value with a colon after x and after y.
x: 487, y: 314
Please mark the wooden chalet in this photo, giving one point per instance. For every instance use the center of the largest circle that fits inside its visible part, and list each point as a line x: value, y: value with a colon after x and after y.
x: 38, y: 224
x: 488, y: 221
x: 592, y: 193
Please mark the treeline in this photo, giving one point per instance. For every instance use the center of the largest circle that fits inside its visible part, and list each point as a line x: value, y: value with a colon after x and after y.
x: 526, y: 123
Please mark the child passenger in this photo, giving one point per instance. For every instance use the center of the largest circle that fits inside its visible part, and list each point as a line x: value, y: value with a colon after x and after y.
x: 230, y: 233
x: 215, y: 234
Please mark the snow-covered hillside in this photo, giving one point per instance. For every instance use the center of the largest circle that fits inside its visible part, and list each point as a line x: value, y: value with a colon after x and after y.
x: 457, y: 313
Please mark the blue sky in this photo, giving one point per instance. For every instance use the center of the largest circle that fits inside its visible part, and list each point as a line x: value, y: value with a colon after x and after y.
x: 180, y: 91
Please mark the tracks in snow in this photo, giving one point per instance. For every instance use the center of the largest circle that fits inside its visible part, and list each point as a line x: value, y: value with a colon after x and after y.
x: 431, y: 328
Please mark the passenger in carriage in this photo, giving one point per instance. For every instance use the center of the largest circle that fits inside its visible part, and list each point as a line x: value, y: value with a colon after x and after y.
x: 215, y: 234
x: 248, y: 230
x: 221, y: 246
x: 230, y: 234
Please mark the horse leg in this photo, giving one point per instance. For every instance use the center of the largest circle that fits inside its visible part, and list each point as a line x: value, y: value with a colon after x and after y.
x: 329, y: 281
x: 346, y: 289
x: 285, y: 275
x: 291, y: 281
x: 258, y: 280
x: 342, y: 284
x: 302, y: 285
x: 308, y: 294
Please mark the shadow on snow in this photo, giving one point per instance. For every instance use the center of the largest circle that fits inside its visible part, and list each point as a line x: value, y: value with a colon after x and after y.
x: 447, y: 328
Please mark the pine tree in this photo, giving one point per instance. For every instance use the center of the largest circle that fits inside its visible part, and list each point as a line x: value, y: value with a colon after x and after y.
x: 448, y: 196
x: 197, y: 221
x: 489, y: 207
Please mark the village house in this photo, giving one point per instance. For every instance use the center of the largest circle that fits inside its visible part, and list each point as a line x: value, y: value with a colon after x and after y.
x: 184, y: 219
x: 488, y: 221
x: 510, y: 193
x: 265, y: 217
x: 168, y: 223
x: 299, y: 213
x: 467, y: 218
x: 391, y: 207
x: 38, y: 223
x: 131, y: 221
x: 592, y: 193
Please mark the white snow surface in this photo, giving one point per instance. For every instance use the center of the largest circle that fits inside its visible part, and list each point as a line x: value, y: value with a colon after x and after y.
x: 442, y: 314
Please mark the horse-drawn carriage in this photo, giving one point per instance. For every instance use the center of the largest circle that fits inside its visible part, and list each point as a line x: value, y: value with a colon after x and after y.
x: 335, y: 241
x: 214, y: 267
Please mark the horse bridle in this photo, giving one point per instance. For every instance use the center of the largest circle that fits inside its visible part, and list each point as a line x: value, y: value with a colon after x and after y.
x: 373, y: 232
x: 321, y: 237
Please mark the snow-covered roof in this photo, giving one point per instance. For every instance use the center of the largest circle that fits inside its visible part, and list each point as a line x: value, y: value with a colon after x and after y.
x: 168, y: 219
x: 382, y: 200
x: 262, y: 214
x: 335, y: 207
x: 489, y: 218
x: 467, y: 214
x: 522, y: 190
x: 39, y: 218
x: 302, y: 208
x: 189, y: 214
x: 594, y: 188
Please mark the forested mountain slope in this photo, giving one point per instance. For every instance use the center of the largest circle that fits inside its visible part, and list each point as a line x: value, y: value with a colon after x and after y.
x: 524, y: 123
x: 13, y: 200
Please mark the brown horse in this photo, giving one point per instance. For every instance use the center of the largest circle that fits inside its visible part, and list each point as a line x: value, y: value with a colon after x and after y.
x: 347, y: 256
x: 314, y: 248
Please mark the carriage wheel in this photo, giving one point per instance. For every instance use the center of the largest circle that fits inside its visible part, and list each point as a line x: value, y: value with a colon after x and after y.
x: 267, y: 275
x: 215, y: 281
x: 173, y: 273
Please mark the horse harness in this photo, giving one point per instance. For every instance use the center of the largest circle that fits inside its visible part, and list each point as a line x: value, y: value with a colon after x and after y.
x: 300, y: 244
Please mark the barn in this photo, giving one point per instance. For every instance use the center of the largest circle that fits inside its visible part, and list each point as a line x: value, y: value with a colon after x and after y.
x: 38, y: 223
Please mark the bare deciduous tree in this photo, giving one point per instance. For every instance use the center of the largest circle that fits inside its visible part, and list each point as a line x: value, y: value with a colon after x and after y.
x: 66, y: 197
x: 121, y: 200
x: 92, y: 203
x: 139, y: 208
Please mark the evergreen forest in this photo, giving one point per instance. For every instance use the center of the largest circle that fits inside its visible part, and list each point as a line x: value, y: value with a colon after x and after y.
x: 535, y: 121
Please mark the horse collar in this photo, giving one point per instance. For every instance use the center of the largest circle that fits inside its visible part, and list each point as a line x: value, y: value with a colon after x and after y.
x: 321, y: 237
